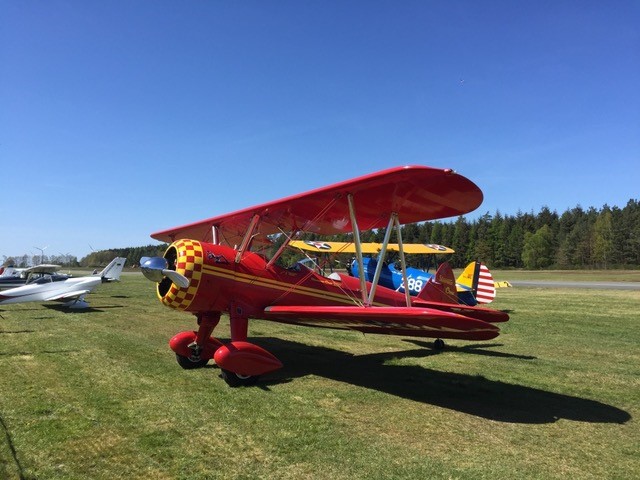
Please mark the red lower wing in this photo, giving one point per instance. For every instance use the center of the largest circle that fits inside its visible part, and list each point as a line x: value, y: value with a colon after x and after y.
x: 407, y: 321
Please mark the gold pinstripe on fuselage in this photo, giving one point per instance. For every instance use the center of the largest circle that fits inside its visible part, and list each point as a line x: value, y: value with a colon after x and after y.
x: 279, y: 285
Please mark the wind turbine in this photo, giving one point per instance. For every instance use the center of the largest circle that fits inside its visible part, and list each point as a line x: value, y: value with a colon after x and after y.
x: 42, y: 249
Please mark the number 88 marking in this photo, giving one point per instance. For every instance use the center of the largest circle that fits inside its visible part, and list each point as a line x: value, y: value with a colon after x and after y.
x: 415, y: 284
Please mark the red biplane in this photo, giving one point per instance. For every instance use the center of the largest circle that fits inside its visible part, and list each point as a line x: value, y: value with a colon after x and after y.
x: 216, y: 266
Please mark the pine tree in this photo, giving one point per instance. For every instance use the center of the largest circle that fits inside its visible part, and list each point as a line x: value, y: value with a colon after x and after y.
x: 603, y: 238
x: 537, y: 249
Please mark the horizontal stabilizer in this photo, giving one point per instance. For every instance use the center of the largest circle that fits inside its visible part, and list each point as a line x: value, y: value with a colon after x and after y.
x: 479, y: 313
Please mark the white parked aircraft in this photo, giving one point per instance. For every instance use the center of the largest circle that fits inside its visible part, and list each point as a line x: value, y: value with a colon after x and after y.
x: 17, y: 277
x: 47, y: 287
x: 10, y: 271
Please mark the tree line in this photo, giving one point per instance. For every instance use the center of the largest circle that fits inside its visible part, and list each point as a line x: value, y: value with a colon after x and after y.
x: 99, y: 258
x: 606, y: 238
x: 132, y: 254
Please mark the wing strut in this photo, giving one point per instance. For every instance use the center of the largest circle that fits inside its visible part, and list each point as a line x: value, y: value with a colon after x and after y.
x: 247, y: 237
x: 214, y: 235
x: 403, y: 262
x: 394, y: 222
x: 381, y: 257
x: 284, y: 245
x: 356, y: 239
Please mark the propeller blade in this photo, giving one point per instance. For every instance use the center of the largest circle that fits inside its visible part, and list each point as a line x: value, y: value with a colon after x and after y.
x: 155, y: 269
x: 179, y: 280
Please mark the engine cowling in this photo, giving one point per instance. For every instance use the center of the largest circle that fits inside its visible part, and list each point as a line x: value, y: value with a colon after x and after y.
x: 202, y: 264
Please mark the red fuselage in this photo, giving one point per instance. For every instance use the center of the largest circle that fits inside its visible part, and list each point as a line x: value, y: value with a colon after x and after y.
x: 217, y: 283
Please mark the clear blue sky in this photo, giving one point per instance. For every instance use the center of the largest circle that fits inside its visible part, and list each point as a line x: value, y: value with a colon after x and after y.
x: 120, y: 118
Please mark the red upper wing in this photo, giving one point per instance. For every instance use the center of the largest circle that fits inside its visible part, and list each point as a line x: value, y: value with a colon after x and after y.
x: 415, y: 193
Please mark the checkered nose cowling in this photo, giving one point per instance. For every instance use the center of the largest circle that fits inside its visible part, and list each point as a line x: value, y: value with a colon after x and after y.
x: 185, y: 257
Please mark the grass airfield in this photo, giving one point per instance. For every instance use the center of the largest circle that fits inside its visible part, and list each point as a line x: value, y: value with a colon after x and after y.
x: 97, y: 394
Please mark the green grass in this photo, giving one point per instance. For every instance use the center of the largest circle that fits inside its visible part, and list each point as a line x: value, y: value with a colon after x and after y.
x: 99, y: 395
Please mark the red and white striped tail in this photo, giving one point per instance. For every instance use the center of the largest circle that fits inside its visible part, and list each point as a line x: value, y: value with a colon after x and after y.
x: 486, y: 289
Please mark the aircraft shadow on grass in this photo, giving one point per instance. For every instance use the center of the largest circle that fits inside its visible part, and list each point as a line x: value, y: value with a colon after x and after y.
x: 41, y: 352
x: 475, y: 349
x: 13, y: 332
x: 475, y: 395
x: 63, y: 309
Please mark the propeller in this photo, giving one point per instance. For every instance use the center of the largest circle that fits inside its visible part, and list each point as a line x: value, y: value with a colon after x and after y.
x: 156, y: 268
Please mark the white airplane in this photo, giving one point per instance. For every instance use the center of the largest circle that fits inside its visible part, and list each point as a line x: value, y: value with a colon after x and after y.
x: 12, y: 277
x: 10, y: 271
x: 47, y: 287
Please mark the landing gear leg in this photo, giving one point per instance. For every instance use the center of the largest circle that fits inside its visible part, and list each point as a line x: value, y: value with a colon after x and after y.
x: 242, y: 362
x: 207, y: 322
x: 200, y: 348
x: 239, y: 329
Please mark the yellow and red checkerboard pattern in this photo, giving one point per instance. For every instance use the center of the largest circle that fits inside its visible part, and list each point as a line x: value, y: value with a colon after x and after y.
x: 189, y: 263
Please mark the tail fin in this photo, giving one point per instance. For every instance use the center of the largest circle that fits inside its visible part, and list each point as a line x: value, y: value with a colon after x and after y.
x: 441, y: 287
x: 477, y: 277
x: 486, y: 288
x: 9, y: 271
x: 111, y: 272
x: 469, y: 276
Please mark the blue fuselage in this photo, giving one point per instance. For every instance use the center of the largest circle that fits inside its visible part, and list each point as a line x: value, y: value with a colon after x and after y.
x: 391, y: 277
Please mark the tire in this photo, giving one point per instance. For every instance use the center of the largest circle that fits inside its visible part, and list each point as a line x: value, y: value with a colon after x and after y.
x: 235, y: 380
x: 438, y: 344
x: 188, y: 364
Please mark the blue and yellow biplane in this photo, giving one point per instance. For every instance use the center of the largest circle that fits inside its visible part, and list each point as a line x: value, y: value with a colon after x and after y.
x: 474, y: 285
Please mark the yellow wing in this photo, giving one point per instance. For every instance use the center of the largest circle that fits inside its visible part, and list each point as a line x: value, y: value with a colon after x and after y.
x: 349, y: 247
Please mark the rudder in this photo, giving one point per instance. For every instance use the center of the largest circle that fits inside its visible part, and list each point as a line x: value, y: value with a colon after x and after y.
x: 441, y: 287
x: 111, y: 272
x: 477, y: 277
x: 485, y: 290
